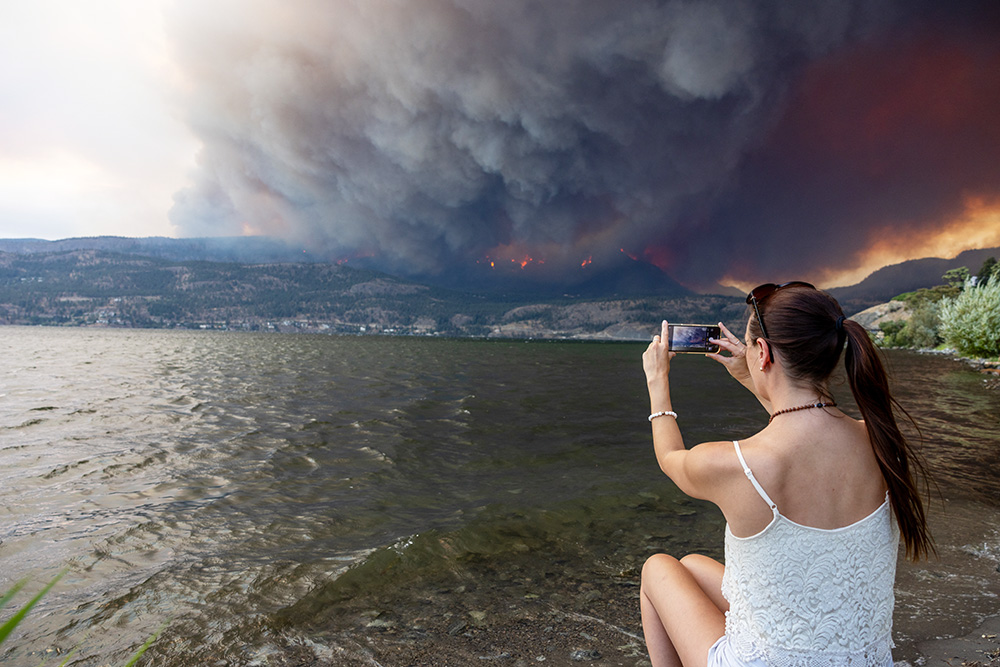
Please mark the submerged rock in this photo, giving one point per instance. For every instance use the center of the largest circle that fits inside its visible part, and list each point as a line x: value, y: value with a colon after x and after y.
x: 582, y: 655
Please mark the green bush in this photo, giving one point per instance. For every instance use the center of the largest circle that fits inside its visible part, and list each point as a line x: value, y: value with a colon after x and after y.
x: 891, y: 331
x: 921, y: 330
x: 970, y: 322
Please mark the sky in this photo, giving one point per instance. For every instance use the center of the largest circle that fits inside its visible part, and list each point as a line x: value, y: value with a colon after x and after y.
x: 724, y: 141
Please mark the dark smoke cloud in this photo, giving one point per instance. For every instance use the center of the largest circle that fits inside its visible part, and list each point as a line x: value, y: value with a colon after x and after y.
x: 426, y: 134
x: 879, y: 145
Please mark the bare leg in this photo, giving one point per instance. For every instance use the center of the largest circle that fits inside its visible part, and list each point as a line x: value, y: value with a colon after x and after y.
x: 680, y: 621
x: 708, y: 573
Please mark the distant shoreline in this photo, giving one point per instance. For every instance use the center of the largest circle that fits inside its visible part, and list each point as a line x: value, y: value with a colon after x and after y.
x: 989, y: 368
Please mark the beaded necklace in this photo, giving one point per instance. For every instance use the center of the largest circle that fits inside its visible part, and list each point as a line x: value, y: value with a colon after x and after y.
x: 802, y: 407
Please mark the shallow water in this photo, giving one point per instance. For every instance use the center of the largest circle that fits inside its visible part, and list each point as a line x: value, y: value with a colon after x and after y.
x: 254, y: 488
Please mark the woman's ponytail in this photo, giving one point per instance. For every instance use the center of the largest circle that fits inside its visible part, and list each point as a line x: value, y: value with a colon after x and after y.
x: 807, y: 329
x: 870, y: 386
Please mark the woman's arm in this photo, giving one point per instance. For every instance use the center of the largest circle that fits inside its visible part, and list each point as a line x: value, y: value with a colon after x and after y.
x: 699, y: 471
x: 656, y: 363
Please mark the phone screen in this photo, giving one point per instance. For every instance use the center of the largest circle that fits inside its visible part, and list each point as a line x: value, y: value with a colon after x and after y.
x: 692, y: 337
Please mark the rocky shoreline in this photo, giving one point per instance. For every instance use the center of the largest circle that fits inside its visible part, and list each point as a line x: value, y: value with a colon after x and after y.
x: 600, y: 626
x: 896, y: 311
x: 989, y: 368
x: 528, y: 608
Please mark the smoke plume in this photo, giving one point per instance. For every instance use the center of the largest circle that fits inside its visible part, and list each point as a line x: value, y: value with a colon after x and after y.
x: 434, y: 135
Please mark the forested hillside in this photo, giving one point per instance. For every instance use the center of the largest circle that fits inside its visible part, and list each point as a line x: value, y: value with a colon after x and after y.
x: 101, y: 288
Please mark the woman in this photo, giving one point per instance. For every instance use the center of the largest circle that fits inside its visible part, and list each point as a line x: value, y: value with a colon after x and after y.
x: 814, y: 503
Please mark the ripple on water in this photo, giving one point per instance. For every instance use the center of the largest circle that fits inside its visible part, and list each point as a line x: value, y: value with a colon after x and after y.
x: 260, y: 489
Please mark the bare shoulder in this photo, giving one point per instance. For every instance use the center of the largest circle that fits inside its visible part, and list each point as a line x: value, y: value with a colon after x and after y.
x: 706, y: 469
x: 825, y: 476
x: 770, y: 457
x: 760, y: 449
x: 717, y: 457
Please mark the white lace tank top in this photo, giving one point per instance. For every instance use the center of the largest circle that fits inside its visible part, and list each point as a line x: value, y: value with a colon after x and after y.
x: 810, y: 597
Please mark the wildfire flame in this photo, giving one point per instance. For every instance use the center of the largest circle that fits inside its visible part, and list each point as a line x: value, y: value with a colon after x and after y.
x: 521, y: 262
x: 518, y: 256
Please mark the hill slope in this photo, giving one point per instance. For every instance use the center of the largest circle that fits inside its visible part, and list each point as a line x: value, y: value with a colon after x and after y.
x: 895, y: 279
x: 261, y: 283
x: 94, y: 287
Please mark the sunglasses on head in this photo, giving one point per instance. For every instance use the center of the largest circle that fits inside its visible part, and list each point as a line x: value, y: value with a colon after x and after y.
x: 761, y: 292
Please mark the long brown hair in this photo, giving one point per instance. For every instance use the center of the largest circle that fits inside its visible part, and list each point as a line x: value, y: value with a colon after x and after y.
x: 807, y: 330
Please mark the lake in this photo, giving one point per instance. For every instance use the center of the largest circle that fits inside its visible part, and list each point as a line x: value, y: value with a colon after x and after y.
x: 369, y: 500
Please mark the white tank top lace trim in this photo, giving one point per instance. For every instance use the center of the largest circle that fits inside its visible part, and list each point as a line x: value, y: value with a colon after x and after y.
x: 812, y: 597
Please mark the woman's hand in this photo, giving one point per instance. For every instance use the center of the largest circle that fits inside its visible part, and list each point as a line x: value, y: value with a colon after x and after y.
x: 736, y: 362
x: 667, y: 440
x: 656, y: 364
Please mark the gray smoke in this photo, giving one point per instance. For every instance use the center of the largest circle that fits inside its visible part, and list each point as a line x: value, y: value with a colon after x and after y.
x: 428, y: 133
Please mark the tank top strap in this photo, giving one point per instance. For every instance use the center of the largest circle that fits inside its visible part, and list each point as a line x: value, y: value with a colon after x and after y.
x: 753, y: 480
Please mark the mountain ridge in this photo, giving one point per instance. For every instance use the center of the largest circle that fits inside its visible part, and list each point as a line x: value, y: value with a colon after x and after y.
x: 264, y: 284
x: 895, y: 279
x: 104, y: 288
x: 880, y: 285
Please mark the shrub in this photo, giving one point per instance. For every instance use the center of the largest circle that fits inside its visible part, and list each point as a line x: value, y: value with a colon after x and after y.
x: 970, y: 322
x: 921, y: 330
x: 890, y: 333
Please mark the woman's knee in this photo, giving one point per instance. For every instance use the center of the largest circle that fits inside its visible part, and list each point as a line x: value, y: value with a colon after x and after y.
x: 656, y: 570
x: 708, y: 573
x: 696, y: 562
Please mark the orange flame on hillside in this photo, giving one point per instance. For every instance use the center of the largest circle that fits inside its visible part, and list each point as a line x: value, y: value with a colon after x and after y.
x: 519, y: 256
x: 523, y: 262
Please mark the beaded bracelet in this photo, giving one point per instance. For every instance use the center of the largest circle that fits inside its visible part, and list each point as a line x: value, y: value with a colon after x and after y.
x: 665, y: 413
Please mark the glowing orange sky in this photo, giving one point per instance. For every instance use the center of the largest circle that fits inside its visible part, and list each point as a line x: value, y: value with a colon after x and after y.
x: 896, y: 146
x: 979, y: 227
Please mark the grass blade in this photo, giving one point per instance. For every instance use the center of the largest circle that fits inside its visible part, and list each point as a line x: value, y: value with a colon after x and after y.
x: 149, y: 642
x: 14, y: 620
x: 12, y: 592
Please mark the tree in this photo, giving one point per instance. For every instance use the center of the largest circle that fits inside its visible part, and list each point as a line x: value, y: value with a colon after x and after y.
x: 987, y: 271
x: 970, y: 322
x: 956, y: 277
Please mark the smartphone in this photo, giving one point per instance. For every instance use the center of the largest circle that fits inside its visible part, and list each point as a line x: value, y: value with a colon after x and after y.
x: 692, y: 337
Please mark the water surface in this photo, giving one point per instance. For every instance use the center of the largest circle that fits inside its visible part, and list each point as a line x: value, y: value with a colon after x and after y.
x: 255, y: 488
